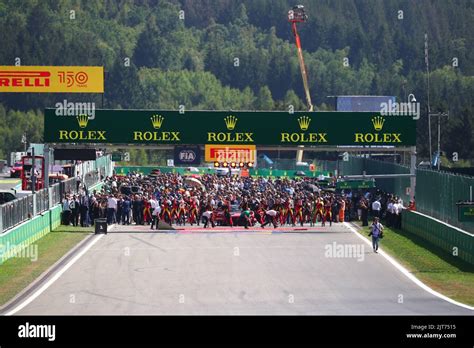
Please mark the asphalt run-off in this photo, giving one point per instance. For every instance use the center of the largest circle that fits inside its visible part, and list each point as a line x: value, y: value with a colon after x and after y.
x: 192, y: 270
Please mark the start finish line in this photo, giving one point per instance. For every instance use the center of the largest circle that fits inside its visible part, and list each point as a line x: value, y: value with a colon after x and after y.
x: 229, y: 127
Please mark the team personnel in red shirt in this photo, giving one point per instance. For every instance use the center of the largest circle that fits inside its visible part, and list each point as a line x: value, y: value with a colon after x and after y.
x: 327, y: 213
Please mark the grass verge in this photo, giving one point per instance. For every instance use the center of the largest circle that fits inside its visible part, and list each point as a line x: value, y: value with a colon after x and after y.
x: 440, y: 270
x: 17, y: 273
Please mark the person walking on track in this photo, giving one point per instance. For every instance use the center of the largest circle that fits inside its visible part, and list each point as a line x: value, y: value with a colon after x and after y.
x: 376, y: 231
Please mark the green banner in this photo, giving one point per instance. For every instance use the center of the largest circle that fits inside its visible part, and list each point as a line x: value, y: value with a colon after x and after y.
x: 355, y: 184
x: 466, y: 213
x: 229, y: 127
x: 116, y: 156
x: 124, y: 170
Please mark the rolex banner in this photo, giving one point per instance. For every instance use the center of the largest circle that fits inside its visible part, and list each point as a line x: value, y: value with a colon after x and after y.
x: 228, y: 127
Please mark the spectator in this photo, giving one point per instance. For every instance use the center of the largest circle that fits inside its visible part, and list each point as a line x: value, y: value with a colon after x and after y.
x: 74, y: 206
x: 78, y: 181
x: 111, y: 209
x: 125, y: 218
x: 364, y: 211
x: 398, y: 214
x: 376, y: 206
x: 84, y: 210
x: 66, y: 215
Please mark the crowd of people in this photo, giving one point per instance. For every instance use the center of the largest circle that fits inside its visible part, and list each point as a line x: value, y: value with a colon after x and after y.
x: 227, y: 200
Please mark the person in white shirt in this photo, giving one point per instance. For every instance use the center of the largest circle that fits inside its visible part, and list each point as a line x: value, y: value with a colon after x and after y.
x: 207, y: 216
x: 111, y: 209
x: 153, y: 204
x: 155, y: 215
x: 389, y: 213
x: 270, y: 217
x: 376, y: 206
x: 398, y: 207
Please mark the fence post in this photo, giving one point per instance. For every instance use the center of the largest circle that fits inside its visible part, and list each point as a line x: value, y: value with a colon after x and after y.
x: 1, y: 219
x: 412, y: 171
x: 50, y: 197
x: 34, y: 205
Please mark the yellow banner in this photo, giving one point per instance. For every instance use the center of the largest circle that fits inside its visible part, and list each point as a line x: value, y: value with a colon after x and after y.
x: 52, y: 79
x: 230, y: 153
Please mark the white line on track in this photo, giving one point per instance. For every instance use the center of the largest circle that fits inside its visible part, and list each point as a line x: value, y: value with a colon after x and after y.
x: 407, y: 272
x: 55, y: 277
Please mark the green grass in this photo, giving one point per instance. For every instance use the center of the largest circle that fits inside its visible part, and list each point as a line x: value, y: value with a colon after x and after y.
x: 440, y: 270
x: 17, y: 273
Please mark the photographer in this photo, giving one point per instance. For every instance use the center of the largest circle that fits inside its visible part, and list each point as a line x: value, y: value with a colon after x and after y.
x: 376, y: 231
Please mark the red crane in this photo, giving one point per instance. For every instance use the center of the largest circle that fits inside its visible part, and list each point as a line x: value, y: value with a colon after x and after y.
x: 298, y: 15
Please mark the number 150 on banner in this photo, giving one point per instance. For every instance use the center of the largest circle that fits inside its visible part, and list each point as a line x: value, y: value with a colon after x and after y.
x: 51, y: 79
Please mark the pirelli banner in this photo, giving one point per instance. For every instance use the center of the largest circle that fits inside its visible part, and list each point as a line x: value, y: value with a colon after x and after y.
x: 224, y: 127
x: 52, y: 79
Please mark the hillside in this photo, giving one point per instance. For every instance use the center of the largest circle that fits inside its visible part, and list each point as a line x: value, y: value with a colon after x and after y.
x: 227, y: 54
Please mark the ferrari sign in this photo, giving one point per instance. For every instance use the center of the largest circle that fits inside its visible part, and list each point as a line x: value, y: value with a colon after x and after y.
x: 229, y: 128
x: 52, y: 79
x: 230, y: 153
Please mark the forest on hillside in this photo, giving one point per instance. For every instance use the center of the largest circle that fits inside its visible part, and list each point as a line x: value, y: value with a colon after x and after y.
x: 240, y: 55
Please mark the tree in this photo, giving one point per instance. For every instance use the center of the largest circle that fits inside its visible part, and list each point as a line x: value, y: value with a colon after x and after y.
x: 264, y: 99
x: 291, y: 99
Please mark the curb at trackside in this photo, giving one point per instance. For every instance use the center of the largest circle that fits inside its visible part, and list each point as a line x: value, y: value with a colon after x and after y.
x: 406, y: 272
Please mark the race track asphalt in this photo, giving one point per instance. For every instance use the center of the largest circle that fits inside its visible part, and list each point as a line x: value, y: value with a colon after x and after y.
x: 6, y: 183
x: 257, y: 272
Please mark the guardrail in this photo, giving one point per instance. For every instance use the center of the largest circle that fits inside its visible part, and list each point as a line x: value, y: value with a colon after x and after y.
x: 16, y: 211
x: 22, y: 209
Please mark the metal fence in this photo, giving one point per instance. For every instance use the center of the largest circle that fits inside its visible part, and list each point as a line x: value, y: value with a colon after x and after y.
x: 436, y: 192
x: 41, y: 201
x: 56, y: 194
x: 16, y: 211
x: 22, y: 209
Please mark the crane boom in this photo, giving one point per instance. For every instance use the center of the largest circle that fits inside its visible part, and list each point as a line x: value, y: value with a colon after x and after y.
x: 298, y: 15
x: 304, y: 75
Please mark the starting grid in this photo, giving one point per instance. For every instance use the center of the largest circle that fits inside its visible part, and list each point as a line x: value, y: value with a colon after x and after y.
x: 226, y: 229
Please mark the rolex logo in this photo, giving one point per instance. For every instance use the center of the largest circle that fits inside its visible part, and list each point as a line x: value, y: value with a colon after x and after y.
x: 82, y: 120
x: 230, y: 122
x: 157, y: 121
x: 378, y: 122
x: 304, y: 122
